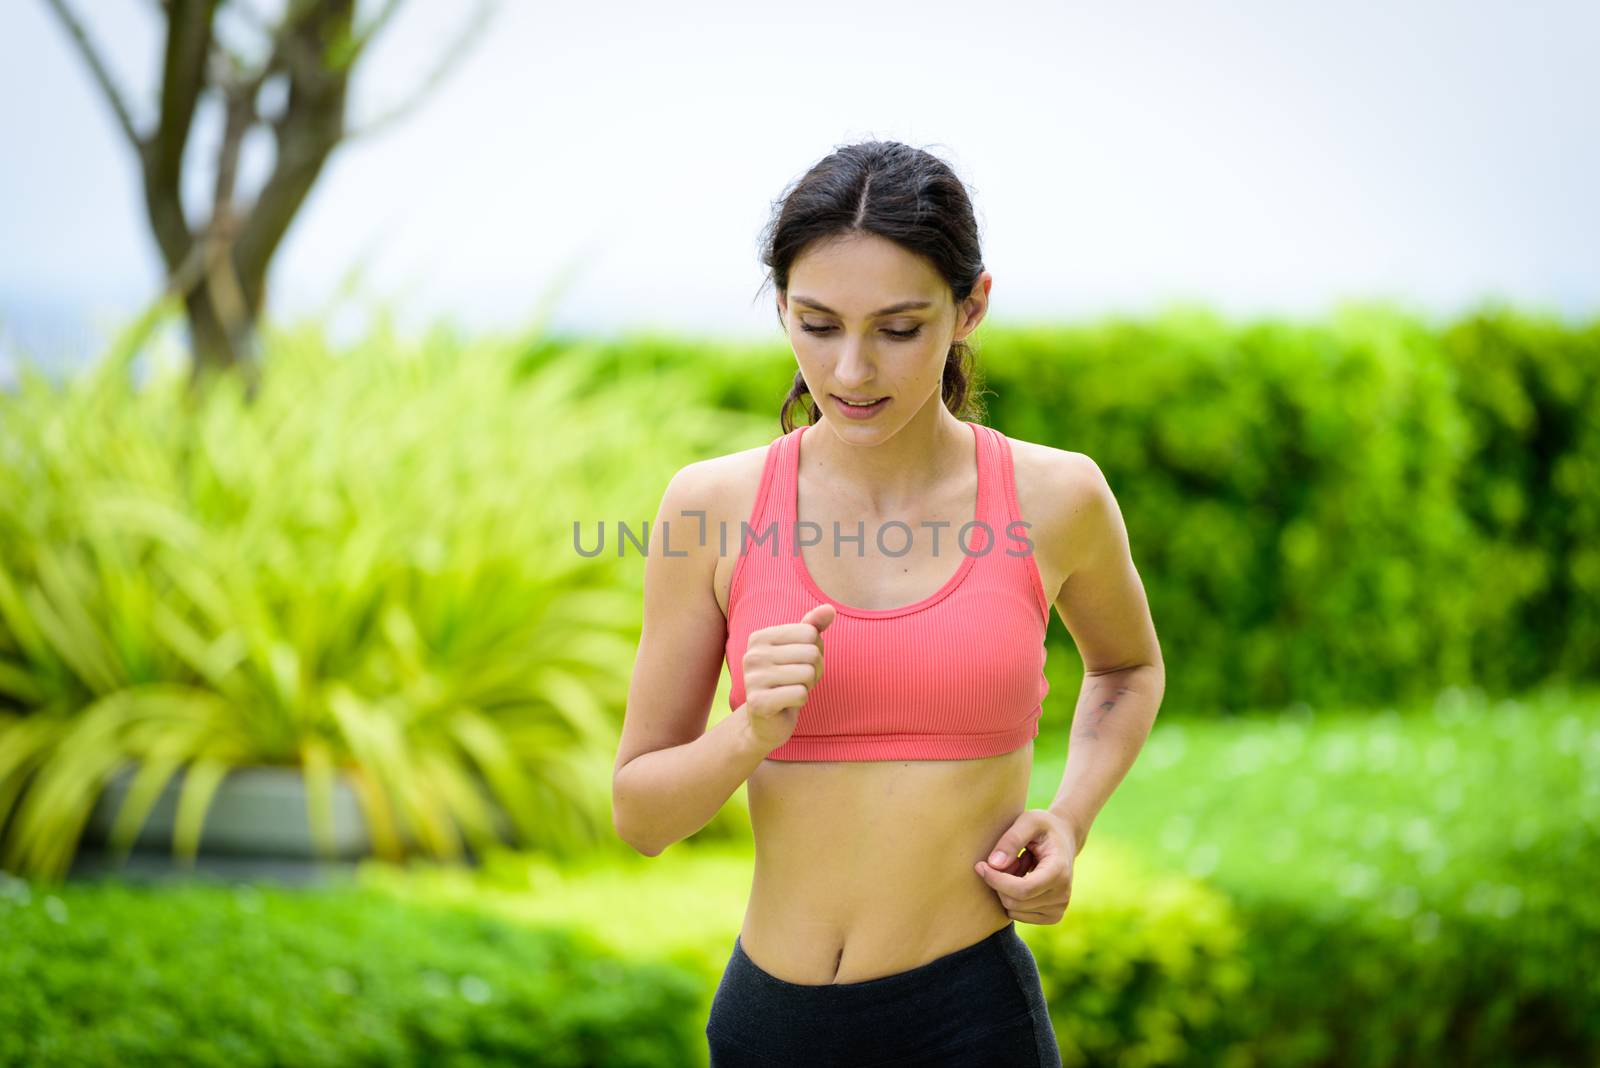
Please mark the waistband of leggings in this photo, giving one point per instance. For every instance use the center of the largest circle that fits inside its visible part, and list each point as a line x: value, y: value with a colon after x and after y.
x: 934, y: 971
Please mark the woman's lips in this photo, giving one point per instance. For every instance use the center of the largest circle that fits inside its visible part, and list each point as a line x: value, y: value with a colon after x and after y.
x: 856, y: 411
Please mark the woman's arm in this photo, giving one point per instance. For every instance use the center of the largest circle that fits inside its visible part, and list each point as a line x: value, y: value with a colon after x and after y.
x: 1103, y: 604
x: 671, y: 774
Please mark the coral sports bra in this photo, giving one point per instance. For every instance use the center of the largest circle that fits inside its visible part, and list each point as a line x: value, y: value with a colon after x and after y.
x: 954, y: 676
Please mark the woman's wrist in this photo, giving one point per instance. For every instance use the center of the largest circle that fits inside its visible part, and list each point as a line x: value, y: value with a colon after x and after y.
x: 751, y: 745
x: 1076, y: 823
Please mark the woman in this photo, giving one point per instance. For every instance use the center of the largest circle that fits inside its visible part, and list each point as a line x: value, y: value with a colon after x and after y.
x: 875, y: 581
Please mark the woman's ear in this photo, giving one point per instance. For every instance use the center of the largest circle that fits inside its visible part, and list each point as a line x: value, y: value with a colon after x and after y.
x: 972, y: 310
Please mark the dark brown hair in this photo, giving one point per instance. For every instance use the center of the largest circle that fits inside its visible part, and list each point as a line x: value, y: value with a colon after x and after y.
x: 905, y: 194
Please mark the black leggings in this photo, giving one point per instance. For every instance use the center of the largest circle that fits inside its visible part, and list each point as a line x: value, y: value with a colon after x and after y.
x: 980, y: 1005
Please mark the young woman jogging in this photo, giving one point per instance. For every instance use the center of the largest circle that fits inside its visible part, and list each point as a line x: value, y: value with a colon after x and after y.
x: 878, y: 581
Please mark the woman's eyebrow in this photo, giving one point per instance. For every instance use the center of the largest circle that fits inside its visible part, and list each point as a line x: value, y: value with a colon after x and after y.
x: 904, y: 305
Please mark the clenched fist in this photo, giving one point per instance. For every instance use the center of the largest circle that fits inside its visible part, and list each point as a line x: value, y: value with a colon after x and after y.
x: 781, y: 664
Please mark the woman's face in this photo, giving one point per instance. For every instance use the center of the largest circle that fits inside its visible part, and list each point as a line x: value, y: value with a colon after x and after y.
x: 869, y: 321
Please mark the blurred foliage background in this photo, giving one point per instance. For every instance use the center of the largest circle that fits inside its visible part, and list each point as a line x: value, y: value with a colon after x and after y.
x: 1364, y: 831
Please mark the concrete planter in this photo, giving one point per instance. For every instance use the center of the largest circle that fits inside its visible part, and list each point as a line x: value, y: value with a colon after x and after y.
x: 257, y: 811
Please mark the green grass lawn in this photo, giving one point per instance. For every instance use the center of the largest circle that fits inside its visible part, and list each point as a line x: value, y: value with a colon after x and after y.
x: 1370, y: 813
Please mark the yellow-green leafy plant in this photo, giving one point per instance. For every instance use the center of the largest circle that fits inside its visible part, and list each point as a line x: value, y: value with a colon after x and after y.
x: 366, y: 567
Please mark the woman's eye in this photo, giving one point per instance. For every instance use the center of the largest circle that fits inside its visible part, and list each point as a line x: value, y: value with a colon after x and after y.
x: 899, y: 335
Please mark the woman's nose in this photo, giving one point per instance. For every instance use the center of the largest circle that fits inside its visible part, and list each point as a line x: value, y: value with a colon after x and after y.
x: 853, y: 368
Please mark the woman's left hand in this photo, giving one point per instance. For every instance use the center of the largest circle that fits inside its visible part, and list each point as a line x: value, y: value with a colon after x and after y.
x: 1036, y: 886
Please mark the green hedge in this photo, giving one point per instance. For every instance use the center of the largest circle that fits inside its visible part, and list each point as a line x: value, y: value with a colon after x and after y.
x: 206, y: 975
x: 1366, y: 507
x: 1530, y: 389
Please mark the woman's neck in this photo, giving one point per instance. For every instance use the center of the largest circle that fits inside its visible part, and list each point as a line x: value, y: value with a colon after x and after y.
x: 889, y: 474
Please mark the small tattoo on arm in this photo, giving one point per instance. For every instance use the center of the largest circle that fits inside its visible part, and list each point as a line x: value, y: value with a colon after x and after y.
x: 1100, y: 713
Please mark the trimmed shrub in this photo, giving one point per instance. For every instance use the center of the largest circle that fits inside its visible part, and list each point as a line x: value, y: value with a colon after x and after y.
x: 198, y: 975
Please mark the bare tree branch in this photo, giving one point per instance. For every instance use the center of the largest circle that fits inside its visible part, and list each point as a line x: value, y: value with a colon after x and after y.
x: 102, y: 74
x: 297, y: 51
x: 226, y: 67
x: 364, y: 36
x: 219, y: 267
x: 188, y: 47
x: 458, y: 50
x: 182, y: 78
x: 240, y: 115
x: 312, y: 125
x: 252, y: 16
x: 183, y: 279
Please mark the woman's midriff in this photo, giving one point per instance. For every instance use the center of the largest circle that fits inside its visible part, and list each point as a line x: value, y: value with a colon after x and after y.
x: 865, y: 868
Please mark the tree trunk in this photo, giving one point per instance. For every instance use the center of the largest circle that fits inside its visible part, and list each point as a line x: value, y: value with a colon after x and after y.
x: 218, y: 346
x: 221, y: 268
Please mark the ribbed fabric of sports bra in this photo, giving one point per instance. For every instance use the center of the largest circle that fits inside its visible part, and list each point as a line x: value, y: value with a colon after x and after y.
x: 954, y: 676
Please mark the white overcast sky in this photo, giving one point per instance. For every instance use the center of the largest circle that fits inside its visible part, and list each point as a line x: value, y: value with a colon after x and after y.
x: 1263, y: 156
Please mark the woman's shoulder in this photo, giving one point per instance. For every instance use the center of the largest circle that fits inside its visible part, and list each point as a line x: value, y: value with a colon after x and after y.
x: 731, y: 471
x: 1048, y: 471
x: 1058, y: 491
x: 723, y: 487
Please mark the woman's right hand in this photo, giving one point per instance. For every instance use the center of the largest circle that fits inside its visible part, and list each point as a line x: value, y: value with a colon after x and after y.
x: 781, y: 664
